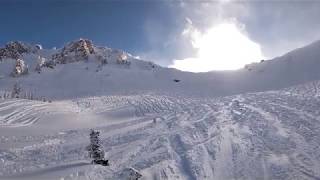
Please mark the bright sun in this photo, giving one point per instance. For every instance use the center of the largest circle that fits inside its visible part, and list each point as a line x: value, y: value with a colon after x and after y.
x: 222, y: 47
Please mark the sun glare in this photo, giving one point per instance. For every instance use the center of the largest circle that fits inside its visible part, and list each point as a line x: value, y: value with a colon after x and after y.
x: 222, y: 47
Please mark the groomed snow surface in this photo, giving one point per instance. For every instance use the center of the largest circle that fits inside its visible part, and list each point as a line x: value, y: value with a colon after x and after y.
x: 269, y: 135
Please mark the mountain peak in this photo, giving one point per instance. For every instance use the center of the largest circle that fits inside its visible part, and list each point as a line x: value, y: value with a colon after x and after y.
x: 15, y: 49
x: 74, y: 51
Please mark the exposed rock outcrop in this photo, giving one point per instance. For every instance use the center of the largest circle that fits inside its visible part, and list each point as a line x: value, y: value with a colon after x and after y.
x: 14, y: 50
x: 74, y: 51
x: 20, y: 68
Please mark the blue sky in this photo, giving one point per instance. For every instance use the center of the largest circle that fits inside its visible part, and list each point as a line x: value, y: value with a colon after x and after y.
x: 153, y: 29
x: 53, y: 23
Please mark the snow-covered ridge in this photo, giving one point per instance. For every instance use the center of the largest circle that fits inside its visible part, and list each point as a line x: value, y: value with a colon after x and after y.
x: 84, y: 49
x: 81, y: 68
x: 76, y: 51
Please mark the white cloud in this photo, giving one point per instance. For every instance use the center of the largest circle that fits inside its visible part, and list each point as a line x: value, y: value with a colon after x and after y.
x: 222, y: 47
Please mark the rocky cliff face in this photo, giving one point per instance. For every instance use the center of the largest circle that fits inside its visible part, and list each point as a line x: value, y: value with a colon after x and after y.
x: 15, y: 49
x: 34, y: 58
x: 75, y: 51
x: 83, y: 49
x: 79, y: 50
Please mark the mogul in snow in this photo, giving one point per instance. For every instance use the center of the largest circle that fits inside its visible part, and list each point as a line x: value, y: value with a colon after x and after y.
x: 95, y: 149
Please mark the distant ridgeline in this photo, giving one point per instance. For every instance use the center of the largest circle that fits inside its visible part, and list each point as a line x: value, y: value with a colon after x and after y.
x: 21, y: 61
x: 80, y: 50
x: 81, y: 68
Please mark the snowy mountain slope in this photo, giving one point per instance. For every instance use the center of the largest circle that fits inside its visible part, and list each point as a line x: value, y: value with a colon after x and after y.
x: 165, y: 129
x: 267, y: 135
x: 310, y: 89
x: 296, y: 67
x: 82, y: 69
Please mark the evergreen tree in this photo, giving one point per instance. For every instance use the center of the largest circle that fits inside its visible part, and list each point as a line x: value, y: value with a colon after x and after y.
x: 95, y: 148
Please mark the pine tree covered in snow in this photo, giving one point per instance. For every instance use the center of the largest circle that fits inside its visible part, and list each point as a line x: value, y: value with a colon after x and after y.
x: 95, y: 148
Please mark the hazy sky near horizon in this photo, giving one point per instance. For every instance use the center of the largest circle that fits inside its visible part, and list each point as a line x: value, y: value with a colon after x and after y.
x: 177, y: 33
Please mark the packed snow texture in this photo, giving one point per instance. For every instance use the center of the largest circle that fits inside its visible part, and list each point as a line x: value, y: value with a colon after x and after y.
x: 270, y: 135
x: 204, y: 126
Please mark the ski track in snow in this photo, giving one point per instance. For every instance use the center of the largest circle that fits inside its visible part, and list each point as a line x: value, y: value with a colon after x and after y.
x: 17, y: 112
x: 268, y: 135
